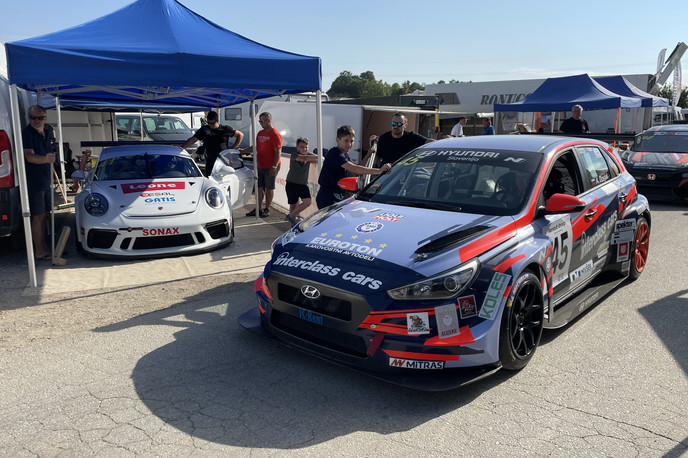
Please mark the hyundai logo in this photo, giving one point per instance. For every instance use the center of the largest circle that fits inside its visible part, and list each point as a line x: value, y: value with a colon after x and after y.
x: 311, y: 292
x: 651, y: 176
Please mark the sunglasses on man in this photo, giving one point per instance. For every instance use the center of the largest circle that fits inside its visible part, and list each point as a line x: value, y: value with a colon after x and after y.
x: 397, y: 123
x: 34, y: 118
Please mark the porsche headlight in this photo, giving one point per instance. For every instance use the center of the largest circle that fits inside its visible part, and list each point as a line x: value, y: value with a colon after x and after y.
x: 214, y: 198
x: 446, y: 285
x: 96, y: 204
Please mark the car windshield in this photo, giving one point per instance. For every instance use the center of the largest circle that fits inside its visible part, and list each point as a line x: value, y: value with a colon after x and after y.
x: 146, y: 166
x: 662, y: 142
x: 166, y: 125
x: 485, y: 182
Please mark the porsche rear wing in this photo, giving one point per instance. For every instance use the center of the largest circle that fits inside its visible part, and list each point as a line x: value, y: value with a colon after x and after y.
x: 110, y: 144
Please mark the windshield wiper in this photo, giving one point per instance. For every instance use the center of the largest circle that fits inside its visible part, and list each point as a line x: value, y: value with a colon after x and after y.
x: 433, y: 205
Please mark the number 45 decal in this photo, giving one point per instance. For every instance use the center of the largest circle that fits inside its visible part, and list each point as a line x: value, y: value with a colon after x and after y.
x: 559, y: 231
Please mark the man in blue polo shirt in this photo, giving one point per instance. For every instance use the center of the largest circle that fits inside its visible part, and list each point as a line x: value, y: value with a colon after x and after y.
x: 39, y: 158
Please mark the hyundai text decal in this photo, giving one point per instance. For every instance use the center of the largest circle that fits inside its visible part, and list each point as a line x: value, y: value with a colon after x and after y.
x: 316, y: 266
x: 156, y: 186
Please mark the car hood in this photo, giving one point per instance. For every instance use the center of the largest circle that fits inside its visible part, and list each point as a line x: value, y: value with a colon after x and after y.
x: 150, y: 198
x: 647, y: 159
x: 390, y: 237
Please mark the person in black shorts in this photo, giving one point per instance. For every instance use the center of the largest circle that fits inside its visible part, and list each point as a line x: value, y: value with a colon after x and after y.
x: 297, y: 180
x: 215, y: 138
x: 39, y: 157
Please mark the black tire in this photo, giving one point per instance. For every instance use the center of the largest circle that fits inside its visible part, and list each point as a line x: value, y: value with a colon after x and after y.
x: 641, y: 249
x: 522, y: 322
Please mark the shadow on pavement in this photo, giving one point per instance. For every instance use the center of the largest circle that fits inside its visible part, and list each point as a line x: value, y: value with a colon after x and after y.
x: 219, y: 382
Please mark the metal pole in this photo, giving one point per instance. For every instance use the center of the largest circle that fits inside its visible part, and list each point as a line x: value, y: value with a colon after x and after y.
x: 318, y: 127
x: 23, y: 192
x: 254, y: 132
x: 61, y: 148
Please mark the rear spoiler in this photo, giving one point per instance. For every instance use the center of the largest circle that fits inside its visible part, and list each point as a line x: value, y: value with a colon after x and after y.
x: 130, y: 143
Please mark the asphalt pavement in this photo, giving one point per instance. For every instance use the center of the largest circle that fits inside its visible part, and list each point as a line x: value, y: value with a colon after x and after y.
x: 188, y: 381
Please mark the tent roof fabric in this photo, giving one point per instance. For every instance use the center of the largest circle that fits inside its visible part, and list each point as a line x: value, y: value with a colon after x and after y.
x: 158, y: 50
x: 561, y: 94
x: 621, y: 86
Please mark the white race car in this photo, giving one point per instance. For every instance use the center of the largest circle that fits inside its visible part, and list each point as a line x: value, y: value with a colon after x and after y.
x: 152, y: 201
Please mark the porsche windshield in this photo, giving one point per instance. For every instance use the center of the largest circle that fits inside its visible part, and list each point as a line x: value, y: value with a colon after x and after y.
x: 486, y: 182
x: 663, y: 142
x: 146, y: 166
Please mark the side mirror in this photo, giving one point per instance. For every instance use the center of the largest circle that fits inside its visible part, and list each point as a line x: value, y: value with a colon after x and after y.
x: 348, y: 184
x: 224, y: 171
x: 79, y: 175
x: 563, y: 203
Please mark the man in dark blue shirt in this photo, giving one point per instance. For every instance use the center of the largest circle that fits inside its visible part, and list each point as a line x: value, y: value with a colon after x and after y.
x: 39, y: 157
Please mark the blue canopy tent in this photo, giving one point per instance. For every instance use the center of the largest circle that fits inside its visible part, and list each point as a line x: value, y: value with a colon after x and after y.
x: 621, y: 86
x: 158, y: 52
x: 561, y: 94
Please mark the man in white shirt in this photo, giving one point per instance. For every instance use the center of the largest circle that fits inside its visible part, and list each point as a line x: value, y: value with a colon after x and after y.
x: 457, y: 131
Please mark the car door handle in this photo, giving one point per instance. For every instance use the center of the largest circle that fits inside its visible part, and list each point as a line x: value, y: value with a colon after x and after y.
x: 591, y: 213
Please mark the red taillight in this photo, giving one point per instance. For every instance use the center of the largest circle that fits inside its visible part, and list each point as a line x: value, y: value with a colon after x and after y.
x: 6, y: 166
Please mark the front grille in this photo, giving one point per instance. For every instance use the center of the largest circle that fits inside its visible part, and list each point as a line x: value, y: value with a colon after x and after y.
x: 163, y: 241
x: 101, y: 238
x: 218, y: 229
x: 324, y: 305
x: 318, y: 334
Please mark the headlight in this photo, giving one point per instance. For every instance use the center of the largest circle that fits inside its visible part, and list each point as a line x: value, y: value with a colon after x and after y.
x: 684, y: 175
x: 96, y: 204
x: 312, y: 220
x: 214, y: 198
x: 446, y: 285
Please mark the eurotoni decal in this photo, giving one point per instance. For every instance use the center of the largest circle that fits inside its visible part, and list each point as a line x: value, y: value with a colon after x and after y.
x: 365, y: 249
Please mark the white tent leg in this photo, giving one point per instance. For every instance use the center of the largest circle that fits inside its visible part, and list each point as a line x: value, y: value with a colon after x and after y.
x: 318, y: 124
x: 254, y: 132
x: 23, y: 192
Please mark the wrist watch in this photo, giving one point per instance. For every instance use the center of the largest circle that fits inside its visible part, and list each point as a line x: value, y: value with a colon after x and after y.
x: 274, y: 166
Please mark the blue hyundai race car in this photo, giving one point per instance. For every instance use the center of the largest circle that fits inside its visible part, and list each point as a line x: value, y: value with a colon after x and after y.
x: 447, y: 268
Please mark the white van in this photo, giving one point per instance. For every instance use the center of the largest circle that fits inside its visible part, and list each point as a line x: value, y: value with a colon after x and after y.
x: 167, y: 128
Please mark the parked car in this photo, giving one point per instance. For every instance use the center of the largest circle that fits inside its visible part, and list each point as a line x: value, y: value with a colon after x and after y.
x: 152, y: 201
x: 165, y: 128
x: 448, y: 268
x: 659, y: 162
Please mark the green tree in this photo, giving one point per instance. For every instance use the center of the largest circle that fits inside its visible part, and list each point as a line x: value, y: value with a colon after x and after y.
x: 365, y: 85
x: 666, y: 92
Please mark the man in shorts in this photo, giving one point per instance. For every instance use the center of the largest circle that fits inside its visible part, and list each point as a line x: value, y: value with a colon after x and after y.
x: 39, y: 157
x: 269, y: 152
x: 297, y: 180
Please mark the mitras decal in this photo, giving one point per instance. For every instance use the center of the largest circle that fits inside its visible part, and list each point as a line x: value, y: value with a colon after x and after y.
x: 316, y: 266
x: 590, y: 242
x: 412, y: 364
x: 157, y: 186
x: 364, y: 249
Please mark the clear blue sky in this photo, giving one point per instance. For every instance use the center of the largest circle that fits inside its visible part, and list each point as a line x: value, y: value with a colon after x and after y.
x: 423, y: 41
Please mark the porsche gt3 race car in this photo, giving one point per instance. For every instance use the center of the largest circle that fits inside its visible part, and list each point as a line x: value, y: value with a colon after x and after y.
x: 152, y: 200
x: 659, y: 163
x: 448, y: 268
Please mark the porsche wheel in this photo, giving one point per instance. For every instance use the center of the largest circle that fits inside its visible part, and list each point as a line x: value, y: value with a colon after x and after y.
x: 522, y: 322
x: 642, y: 248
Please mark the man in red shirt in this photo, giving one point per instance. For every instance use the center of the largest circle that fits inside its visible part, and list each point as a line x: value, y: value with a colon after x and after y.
x: 269, y: 152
